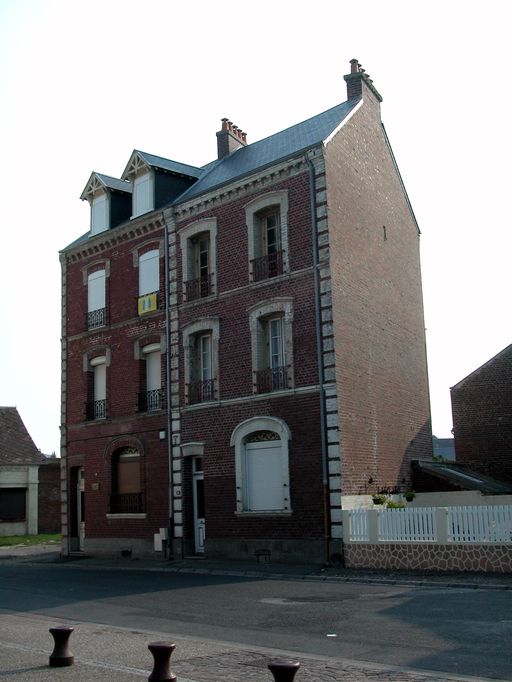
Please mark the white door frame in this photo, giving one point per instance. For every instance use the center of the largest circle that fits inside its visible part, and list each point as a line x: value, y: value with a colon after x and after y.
x: 198, y: 497
x: 80, y: 489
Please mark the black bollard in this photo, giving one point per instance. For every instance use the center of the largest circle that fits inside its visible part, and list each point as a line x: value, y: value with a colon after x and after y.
x: 162, y: 654
x: 61, y: 654
x: 283, y: 670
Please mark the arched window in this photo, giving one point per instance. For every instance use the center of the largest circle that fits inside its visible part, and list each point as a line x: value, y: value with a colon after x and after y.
x: 126, y: 497
x: 261, y: 463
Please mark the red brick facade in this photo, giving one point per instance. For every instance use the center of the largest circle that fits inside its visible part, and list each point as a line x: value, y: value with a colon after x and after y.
x: 338, y: 311
x: 482, y: 418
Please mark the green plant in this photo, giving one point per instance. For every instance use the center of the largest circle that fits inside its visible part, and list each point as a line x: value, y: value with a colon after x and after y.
x: 391, y: 504
x: 410, y: 495
x: 379, y: 498
x: 9, y: 541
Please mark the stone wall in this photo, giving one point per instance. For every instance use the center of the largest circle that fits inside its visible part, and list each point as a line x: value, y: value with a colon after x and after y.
x: 493, y: 558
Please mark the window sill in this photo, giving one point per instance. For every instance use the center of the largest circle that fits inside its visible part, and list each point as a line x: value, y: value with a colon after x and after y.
x: 284, y: 512
x: 128, y: 515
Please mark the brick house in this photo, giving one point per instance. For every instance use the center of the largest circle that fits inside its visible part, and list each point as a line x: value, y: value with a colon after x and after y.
x: 243, y: 343
x: 482, y: 418
x: 29, y: 481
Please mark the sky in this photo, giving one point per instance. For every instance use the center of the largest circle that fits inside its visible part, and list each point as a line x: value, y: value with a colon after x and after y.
x: 82, y: 84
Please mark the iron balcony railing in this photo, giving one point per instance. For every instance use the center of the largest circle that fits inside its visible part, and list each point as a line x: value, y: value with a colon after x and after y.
x: 96, y: 409
x: 96, y: 318
x: 201, y: 391
x: 199, y: 287
x: 267, y: 266
x: 126, y: 503
x: 271, y: 379
x: 151, y: 401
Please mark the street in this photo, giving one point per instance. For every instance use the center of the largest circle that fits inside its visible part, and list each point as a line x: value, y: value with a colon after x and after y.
x: 448, y: 630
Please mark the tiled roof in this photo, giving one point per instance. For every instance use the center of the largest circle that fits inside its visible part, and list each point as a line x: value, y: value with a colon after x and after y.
x: 270, y: 150
x: 16, y: 445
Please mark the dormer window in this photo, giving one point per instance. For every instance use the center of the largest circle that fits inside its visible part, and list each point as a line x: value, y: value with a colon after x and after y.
x: 110, y: 200
x: 100, y: 212
x: 143, y: 194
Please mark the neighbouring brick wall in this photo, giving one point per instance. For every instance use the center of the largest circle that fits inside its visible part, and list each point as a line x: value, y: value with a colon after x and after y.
x: 426, y: 556
x: 482, y: 418
x: 375, y: 281
x: 49, y: 498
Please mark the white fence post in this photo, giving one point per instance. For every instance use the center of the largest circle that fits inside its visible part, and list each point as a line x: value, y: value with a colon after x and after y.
x: 373, y: 526
x: 441, y: 520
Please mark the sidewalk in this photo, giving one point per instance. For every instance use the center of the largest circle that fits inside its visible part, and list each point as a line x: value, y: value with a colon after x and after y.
x: 253, y: 569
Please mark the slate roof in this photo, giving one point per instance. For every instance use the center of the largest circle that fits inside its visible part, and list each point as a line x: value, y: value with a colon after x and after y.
x: 246, y: 160
x: 166, y: 164
x: 270, y: 150
x: 16, y: 445
x: 114, y: 183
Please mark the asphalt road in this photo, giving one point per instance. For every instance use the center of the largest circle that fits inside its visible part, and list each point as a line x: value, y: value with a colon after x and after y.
x: 453, y: 630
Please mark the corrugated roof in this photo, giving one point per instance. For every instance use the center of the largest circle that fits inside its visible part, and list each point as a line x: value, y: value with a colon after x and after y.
x: 16, y: 445
x: 270, y: 150
x: 463, y: 477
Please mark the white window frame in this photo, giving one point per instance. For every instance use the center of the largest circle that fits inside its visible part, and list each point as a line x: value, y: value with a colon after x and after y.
x: 100, y: 213
x: 259, y: 317
x: 143, y: 198
x: 238, y: 441
x: 253, y: 211
x: 149, y: 276
x: 96, y: 291
x: 199, y: 328
x: 187, y: 247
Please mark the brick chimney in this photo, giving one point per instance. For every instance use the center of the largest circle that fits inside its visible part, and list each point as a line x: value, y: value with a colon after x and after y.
x: 229, y: 138
x: 359, y: 82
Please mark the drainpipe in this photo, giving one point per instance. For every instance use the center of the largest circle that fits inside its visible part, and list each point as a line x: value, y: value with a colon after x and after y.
x: 170, y: 541
x: 320, y: 364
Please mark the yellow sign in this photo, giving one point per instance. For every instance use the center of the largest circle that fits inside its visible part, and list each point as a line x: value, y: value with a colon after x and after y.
x: 148, y: 303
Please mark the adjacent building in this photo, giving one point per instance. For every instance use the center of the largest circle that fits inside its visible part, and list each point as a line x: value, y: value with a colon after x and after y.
x: 243, y: 343
x: 29, y: 481
x: 482, y: 418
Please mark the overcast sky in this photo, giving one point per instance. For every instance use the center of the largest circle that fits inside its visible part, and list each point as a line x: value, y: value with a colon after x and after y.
x: 82, y: 84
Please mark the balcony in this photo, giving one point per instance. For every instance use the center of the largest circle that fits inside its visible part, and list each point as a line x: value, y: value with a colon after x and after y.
x: 96, y: 318
x: 96, y: 409
x: 198, y: 288
x: 127, y: 503
x: 201, y: 391
x: 271, y: 379
x: 151, y: 401
x: 267, y: 266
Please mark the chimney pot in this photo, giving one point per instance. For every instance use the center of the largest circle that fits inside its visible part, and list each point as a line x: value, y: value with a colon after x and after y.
x: 229, y: 138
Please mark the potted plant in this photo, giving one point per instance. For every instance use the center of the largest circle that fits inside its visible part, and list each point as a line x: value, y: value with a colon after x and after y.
x: 410, y: 495
x: 379, y: 498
